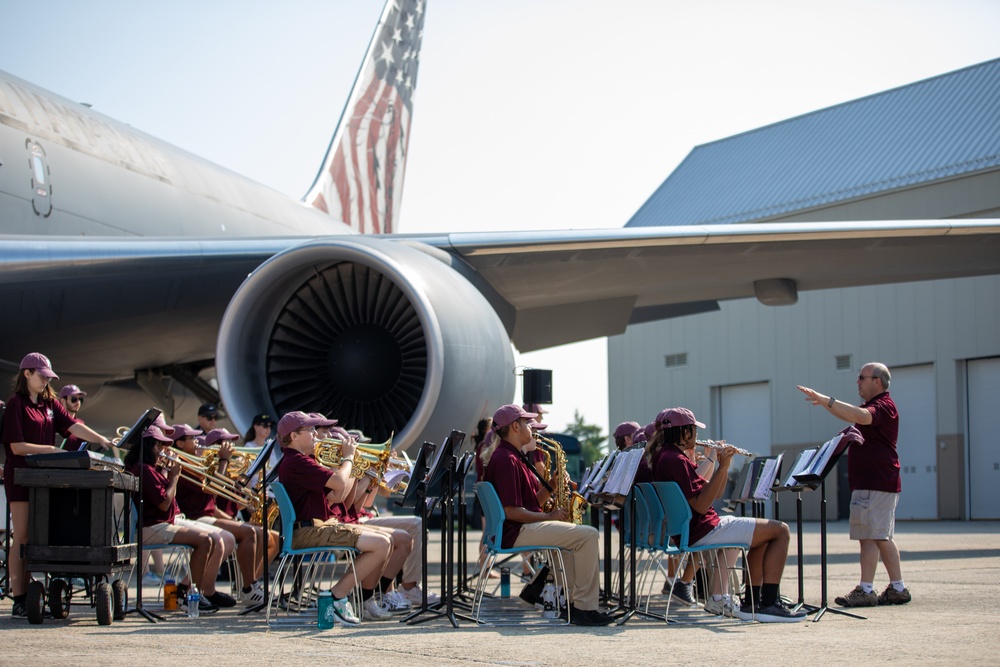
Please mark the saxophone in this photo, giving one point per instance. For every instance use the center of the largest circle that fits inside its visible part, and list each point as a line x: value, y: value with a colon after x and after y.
x: 563, y: 497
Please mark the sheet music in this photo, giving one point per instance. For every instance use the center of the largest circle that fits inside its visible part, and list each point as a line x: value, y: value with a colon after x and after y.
x: 767, y: 476
x: 623, y: 473
x: 392, y: 478
x: 799, y: 466
x: 596, y: 483
x: 817, y: 466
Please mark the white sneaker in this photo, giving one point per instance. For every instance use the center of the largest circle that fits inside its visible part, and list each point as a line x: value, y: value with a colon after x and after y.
x: 374, y: 611
x: 396, y: 602
x: 344, y: 612
x: 415, y: 596
x: 723, y: 607
x: 254, y: 597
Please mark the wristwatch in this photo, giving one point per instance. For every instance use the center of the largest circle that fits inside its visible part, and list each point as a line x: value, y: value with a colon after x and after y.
x: 832, y: 401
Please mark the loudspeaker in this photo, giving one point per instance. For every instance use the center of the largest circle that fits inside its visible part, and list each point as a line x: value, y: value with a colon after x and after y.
x: 537, y: 386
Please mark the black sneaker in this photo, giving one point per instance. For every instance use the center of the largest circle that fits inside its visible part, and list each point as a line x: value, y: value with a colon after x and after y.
x: 221, y: 600
x: 779, y: 613
x: 682, y: 593
x: 589, y: 617
x: 206, y: 606
x: 19, y: 610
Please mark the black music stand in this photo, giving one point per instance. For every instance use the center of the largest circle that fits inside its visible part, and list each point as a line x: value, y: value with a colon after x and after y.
x: 440, y: 489
x: 415, y: 498
x: 815, y: 475
x: 260, y: 465
x: 131, y: 439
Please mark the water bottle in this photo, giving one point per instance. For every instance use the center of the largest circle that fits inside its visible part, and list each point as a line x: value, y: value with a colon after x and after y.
x: 193, y: 600
x: 505, y: 582
x: 324, y: 617
x: 169, y: 595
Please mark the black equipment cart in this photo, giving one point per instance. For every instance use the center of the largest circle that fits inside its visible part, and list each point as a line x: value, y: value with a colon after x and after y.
x: 74, y: 532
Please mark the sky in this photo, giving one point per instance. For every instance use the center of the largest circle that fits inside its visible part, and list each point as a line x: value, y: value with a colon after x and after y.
x: 528, y: 114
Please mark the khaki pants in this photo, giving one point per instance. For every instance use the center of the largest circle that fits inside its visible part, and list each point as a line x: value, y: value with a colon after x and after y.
x: 411, y: 524
x: 581, y: 556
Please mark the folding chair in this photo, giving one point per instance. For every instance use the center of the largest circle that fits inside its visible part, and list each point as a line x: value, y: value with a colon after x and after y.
x: 678, y: 513
x: 301, y: 573
x: 492, y: 540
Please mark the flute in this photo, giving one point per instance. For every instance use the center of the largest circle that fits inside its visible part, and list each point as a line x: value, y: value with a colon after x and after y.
x: 712, y: 444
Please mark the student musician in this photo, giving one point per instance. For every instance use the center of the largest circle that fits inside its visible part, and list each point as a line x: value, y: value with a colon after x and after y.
x: 669, y: 456
x: 200, y: 506
x: 312, y: 488
x: 31, y: 422
x: 161, y: 517
x: 527, y: 525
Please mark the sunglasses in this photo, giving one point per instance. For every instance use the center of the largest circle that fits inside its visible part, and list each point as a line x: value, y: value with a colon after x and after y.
x: 210, y: 418
x: 75, y: 399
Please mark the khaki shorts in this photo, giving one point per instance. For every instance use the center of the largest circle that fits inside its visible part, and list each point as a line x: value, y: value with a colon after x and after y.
x: 330, y: 534
x: 161, y: 533
x: 873, y: 514
x: 731, y: 530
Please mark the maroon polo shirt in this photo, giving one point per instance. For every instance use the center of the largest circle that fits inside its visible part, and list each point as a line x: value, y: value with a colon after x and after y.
x: 305, y: 480
x: 192, y: 501
x: 672, y: 465
x: 643, y: 472
x: 509, y: 475
x: 154, y: 491
x: 874, y: 465
x: 34, y: 423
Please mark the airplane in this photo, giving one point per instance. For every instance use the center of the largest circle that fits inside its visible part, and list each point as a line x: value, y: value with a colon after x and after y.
x: 147, y: 272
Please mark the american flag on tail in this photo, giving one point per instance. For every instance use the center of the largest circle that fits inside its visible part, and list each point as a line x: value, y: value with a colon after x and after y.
x: 362, y: 178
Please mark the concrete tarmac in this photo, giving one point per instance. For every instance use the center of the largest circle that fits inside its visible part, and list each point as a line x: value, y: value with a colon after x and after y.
x: 952, y: 569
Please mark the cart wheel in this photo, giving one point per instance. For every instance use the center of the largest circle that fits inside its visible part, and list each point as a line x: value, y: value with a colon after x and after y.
x: 120, y: 591
x: 103, y: 600
x: 59, y: 597
x: 35, y: 603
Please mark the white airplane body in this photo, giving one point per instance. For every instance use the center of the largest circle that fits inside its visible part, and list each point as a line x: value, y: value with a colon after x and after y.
x: 129, y: 261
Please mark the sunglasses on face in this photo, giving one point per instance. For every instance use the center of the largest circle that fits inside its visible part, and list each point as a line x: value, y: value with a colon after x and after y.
x: 75, y: 399
x: 210, y: 418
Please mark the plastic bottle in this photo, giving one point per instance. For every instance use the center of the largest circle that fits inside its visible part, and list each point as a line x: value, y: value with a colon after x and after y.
x: 169, y: 595
x: 505, y: 582
x: 324, y: 617
x: 193, y: 600
x: 549, y: 600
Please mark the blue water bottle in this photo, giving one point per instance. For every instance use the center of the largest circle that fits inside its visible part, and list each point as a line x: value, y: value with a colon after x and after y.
x: 505, y: 582
x: 324, y: 618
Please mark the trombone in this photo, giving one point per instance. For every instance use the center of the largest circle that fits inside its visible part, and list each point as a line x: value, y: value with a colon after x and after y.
x: 373, y: 460
x: 196, y: 470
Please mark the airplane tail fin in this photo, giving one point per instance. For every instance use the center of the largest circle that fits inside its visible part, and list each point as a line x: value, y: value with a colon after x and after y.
x: 361, y: 181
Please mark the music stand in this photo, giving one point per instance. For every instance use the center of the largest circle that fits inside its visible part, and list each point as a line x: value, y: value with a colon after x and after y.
x: 415, y: 493
x: 132, y: 438
x: 259, y: 465
x: 441, y: 489
x: 823, y: 462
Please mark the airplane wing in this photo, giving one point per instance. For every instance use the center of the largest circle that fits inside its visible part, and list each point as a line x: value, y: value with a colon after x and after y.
x: 383, y: 330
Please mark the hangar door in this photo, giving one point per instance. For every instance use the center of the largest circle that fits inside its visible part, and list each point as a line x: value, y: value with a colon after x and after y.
x: 984, y: 438
x: 744, y: 421
x: 913, y: 391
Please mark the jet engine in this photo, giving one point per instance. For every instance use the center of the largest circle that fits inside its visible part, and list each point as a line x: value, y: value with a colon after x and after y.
x: 378, y: 334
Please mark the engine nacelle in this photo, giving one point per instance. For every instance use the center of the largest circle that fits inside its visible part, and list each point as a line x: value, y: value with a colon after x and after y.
x: 374, y: 333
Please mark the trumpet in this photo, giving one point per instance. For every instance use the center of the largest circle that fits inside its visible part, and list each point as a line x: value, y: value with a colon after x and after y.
x: 328, y: 454
x: 120, y: 433
x: 712, y: 444
x: 239, y: 461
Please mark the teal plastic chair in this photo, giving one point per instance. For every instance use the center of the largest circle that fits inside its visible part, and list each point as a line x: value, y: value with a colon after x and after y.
x: 492, y: 541
x: 678, y: 513
x: 301, y: 573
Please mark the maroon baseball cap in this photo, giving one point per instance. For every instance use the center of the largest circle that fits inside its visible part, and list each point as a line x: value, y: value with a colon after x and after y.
x: 38, y: 362
x: 537, y: 426
x: 324, y: 423
x: 217, y: 435
x: 534, y: 407
x: 71, y: 390
x: 639, y: 437
x: 161, y: 424
x: 649, y: 429
x: 294, y: 421
x: 155, y: 433
x: 627, y: 428
x: 677, y: 417
x: 509, y: 414
x: 183, y: 431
